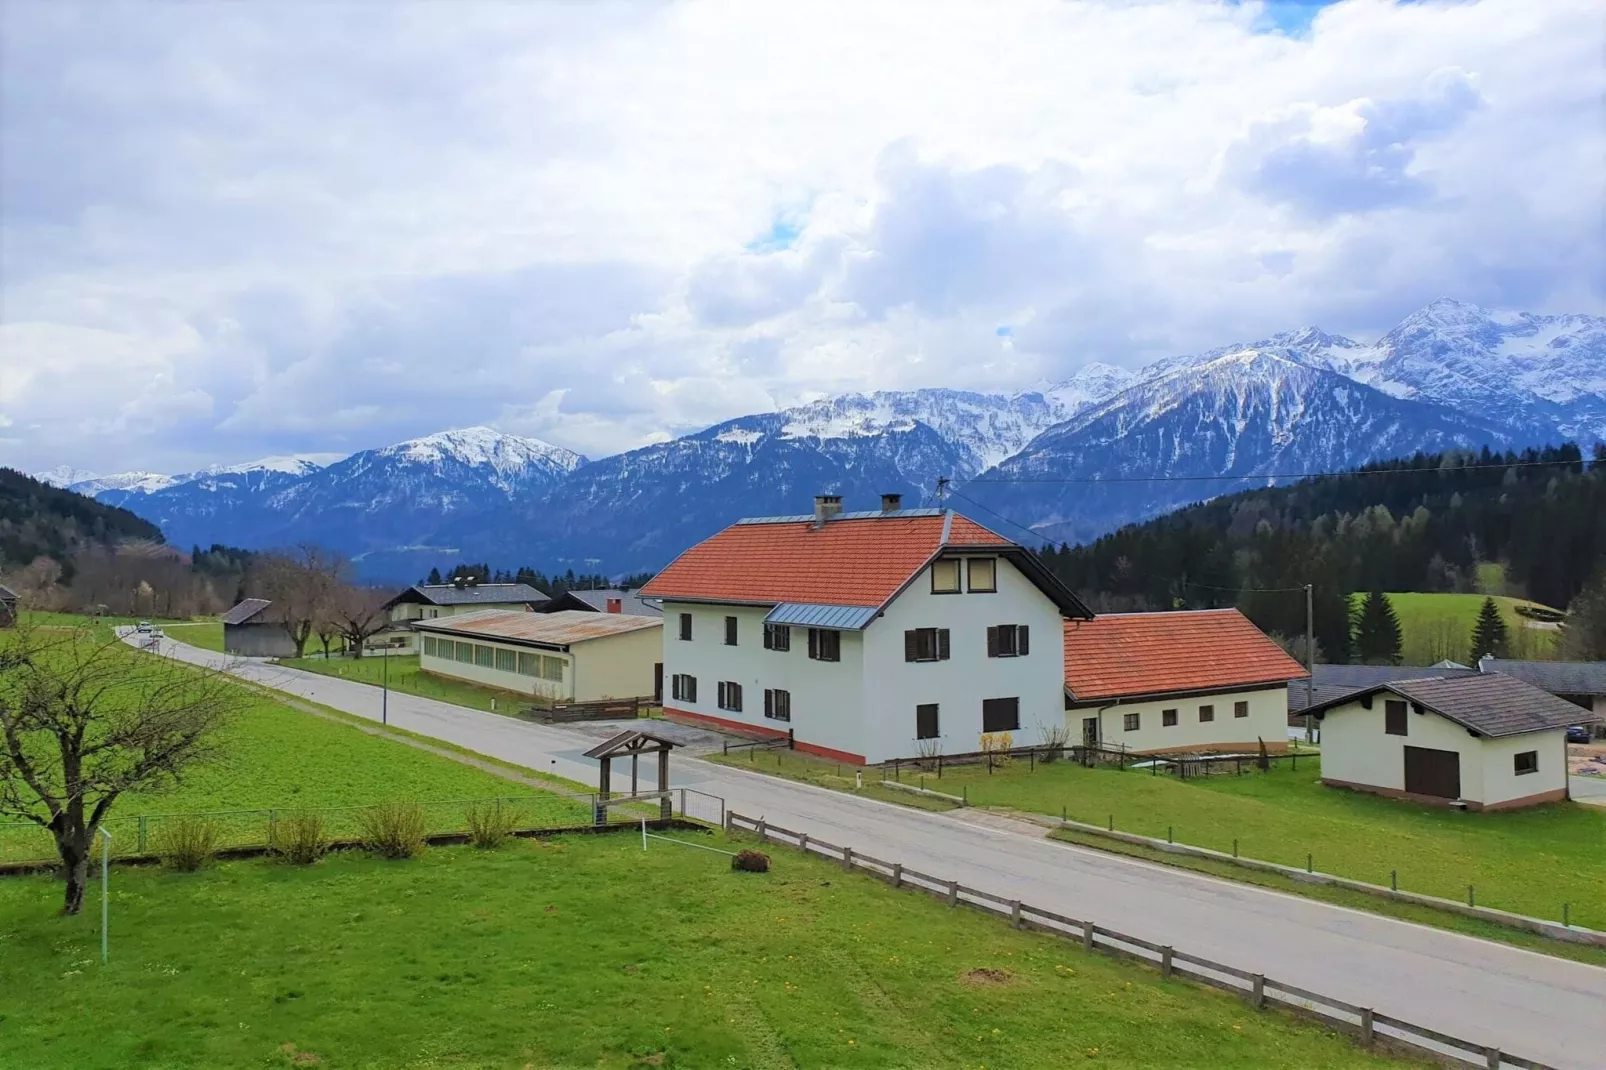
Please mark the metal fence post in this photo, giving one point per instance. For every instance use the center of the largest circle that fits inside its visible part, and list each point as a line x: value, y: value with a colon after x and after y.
x: 803, y: 842
x: 953, y: 893
x: 273, y: 825
x: 141, y: 833
x: 1014, y: 914
x: 1165, y: 961
x: 762, y: 831
x: 847, y: 858
x: 1257, y: 994
x: 1492, y: 1055
x: 897, y: 874
x: 682, y: 802
x: 1087, y: 936
x: 1366, y: 1025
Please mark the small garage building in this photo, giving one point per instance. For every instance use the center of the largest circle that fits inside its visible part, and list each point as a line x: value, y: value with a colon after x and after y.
x: 251, y: 631
x: 1486, y: 742
x: 569, y: 656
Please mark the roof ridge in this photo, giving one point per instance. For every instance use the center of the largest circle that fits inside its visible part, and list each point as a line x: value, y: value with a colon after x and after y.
x: 1170, y: 612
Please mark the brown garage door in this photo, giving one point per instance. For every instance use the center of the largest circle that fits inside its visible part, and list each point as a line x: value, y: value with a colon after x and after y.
x: 1433, y: 772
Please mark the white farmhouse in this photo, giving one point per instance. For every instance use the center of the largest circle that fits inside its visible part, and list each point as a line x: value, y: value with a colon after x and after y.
x: 1191, y: 681
x: 868, y: 636
x: 1487, y: 742
x: 430, y: 601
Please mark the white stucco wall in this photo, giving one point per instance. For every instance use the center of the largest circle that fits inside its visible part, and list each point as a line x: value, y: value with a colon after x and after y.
x: 1357, y: 750
x: 1267, y: 719
x: 615, y: 666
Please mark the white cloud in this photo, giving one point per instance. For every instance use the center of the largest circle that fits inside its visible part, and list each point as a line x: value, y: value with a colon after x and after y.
x: 238, y: 230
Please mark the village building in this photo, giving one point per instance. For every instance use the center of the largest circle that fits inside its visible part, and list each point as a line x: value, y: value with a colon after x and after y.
x: 431, y: 601
x: 250, y: 631
x: 602, y: 600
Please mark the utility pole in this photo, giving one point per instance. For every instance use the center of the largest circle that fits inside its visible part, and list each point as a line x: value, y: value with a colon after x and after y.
x: 384, y: 692
x: 1310, y: 660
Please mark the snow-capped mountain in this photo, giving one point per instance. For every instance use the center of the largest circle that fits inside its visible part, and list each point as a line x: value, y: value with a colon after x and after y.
x: 63, y: 475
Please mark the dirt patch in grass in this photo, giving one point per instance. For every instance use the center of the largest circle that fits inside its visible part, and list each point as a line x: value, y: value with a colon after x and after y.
x: 987, y: 975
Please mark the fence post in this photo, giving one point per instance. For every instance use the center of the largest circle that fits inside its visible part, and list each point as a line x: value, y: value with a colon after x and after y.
x: 682, y: 802
x: 1565, y: 924
x: 273, y: 823
x: 1394, y: 880
x: 1308, y: 863
x: 1470, y: 901
x: 1112, y: 822
x: 1014, y: 914
x: 897, y: 874
x: 1168, y: 834
x: 1087, y: 936
x: 1366, y: 1026
x: 1165, y: 961
x: 142, y: 842
x: 803, y: 842
x: 847, y: 858
x: 762, y: 832
x: 1235, y: 847
x: 1492, y: 1055
x: 1257, y: 994
x: 953, y: 893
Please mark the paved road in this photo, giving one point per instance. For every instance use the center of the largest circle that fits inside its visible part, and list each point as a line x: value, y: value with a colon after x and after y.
x: 1533, y: 1005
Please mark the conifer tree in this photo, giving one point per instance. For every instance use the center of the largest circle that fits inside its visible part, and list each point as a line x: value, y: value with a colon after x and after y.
x: 1489, y: 634
x: 1377, y: 631
x: 434, y: 576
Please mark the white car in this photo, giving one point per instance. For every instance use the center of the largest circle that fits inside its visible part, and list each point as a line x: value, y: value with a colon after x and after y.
x: 144, y: 626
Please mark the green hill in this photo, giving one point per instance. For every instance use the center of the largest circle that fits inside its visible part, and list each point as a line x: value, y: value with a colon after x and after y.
x: 1438, y: 626
x: 38, y: 520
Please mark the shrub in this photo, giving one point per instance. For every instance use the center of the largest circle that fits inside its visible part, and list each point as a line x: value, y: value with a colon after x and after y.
x: 751, y: 862
x: 299, y: 837
x: 489, y: 824
x: 393, y: 829
x: 187, y: 843
x: 1056, y: 737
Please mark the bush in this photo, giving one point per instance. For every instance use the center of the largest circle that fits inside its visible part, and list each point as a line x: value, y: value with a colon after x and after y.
x: 299, y: 837
x: 187, y: 843
x: 394, y: 829
x: 489, y: 824
x: 751, y: 862
x: 1056, y: 737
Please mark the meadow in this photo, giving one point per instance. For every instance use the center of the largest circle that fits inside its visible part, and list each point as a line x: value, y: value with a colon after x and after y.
x: 1438, y: 627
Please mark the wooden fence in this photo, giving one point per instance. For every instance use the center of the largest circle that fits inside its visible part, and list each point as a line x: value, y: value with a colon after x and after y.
x: 570, y: 712
x: 1184, y: 766
x: 1260, y: 991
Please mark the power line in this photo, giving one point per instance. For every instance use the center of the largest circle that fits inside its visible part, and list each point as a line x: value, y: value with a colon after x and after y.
x: 1280, y: 475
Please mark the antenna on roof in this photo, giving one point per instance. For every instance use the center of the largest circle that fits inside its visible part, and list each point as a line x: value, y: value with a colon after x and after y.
x: 942, y: 492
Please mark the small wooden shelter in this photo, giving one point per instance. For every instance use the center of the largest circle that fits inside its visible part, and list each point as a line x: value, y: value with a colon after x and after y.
x: 632, y: 744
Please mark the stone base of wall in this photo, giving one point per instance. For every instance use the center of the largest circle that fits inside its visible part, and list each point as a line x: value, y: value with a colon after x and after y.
x: 1538, y: 799
x: 762, y: 732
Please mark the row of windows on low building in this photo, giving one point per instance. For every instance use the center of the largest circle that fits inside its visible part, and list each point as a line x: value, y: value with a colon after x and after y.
x: 919, y: 644
x: 1133, y: 722
x: 540, y: 666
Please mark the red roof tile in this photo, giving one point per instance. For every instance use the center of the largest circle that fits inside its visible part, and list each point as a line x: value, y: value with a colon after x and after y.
x: 848, y: 562
x: 1118, y: 655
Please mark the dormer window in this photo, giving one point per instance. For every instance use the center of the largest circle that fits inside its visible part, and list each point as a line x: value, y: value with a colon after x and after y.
x: 983, y: 574
x: 945, y: 577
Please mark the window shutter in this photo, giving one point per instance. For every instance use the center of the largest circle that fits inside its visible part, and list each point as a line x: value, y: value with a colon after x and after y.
x: 814, y: 642
x: 769, y: 702
x: 992, y: 642
x: 942, y: 644
x: 722, y: 693
x: 911, y: 645
x: 1023, y: 645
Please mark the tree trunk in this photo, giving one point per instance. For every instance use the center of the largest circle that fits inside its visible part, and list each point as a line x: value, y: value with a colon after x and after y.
x: 75, y: 866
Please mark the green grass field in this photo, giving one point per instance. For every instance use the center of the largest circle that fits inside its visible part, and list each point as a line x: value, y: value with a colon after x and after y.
x: 1528, y: 861
x: 1435, y: 627
x: 405, y: 675
x: 206, y: 634
x: 586, y: 952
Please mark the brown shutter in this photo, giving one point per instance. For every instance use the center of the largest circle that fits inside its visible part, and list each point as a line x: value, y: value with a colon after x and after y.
x: 992, y: 642
x: 911, y: 645
x: 942, y: 644
x: 1023, y: 645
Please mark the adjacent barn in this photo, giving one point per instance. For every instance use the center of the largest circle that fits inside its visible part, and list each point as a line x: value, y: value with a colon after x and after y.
x: 570, y: 656
x: 250, y: 631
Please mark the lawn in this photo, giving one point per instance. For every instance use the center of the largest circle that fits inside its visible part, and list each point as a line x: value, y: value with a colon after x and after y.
x: 206, y: 634
x: 1528, y: 861
x: 586, y: 952
x: 1436, y: 627
x: 403, y: 674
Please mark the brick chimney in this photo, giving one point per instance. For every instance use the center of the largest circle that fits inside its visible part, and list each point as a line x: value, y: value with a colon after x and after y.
x: 891, y: 503
x: 825, y: 507
x: 616, y: 605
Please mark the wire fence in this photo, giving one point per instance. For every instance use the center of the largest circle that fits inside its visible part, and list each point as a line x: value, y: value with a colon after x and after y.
x: 139, y: 835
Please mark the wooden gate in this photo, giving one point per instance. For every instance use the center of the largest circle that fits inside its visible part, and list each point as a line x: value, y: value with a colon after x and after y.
x: 1433, y: 772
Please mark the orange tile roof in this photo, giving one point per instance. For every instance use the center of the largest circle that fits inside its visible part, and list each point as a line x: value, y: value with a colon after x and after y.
x: 1119, y: 655
x: 848, y: 562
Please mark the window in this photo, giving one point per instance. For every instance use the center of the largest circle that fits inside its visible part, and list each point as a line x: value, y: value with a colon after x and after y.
x: 529, y: 664
x: 1526, y: 762
x: 1168, y: 718
x: 683, y: 687
x: 730, y: 696
x: 429, y: 645
x: 1207, y: 714
x: 777, y: 637
x: 945, y: 577
x: 730, y: 631
x: 983, y: 574
x: 507, y: 660
x: 926, y: 721
x: 465, y: 653
x: 925, y: 644
x: 1000, y: 714
x: 484, y: 656
x: 552, y: 669
x: 1008, y: 641
x: 825, y: 644
x: 685, y: 627
x: 777, y: 704
x: 1394, y: 718
x: 1240, y: 709
x: 1131, y: 722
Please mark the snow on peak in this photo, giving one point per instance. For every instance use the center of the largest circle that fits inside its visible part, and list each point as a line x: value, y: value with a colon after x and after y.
x: 485, y: 447
x: 295, y: 465
x: 64, y: 475
x: 137, y: 482
x: 1092, y: 383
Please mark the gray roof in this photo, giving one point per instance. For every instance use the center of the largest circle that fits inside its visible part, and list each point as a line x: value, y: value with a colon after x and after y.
x: 1557, y: 677
x: 630, y: 602
x: 1333, y: 681
x: 246, y: 610
x: 7, y: 594
x: 849, y: 618
x: 478, y: 594
x: 1488, y: 704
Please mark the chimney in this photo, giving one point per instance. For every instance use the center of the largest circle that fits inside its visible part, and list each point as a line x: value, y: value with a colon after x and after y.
x: 616, y: 605
x: 825, y: 507
x: 891, y: 503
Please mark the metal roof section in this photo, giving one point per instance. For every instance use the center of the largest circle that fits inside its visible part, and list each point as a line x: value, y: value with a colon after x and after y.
x: 561, y: 629
x: 871, y: 514
x: 947, y: 527
x: 842, y: 618
x: 246, y: 611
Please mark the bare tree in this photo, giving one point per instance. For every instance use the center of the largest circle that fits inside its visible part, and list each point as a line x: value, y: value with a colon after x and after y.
x: 301, y: 584
x: 85, y: 719
x: 360, y: 612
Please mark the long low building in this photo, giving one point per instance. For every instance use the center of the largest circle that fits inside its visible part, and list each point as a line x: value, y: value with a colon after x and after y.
x: 570, y: 656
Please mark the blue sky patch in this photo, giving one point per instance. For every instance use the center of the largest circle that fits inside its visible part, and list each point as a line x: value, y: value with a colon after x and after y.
x: 782, y: 234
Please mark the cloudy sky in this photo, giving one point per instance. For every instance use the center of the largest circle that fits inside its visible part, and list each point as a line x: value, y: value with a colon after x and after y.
x: 237, y: 229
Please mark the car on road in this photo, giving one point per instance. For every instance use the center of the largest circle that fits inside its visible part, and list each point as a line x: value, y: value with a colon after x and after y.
x: 143, y: 626
x: 1578, y: 733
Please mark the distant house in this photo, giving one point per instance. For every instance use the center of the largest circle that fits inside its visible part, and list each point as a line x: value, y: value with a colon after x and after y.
x: 430, y: 601
x: 569, y: 656
x: 870, y: 635
x: 1203, y: 680
x: 1485, y: 741
x: 8, y: 607
x: 1583, y: 683
x: 250, y: 632
x: 609, y: 600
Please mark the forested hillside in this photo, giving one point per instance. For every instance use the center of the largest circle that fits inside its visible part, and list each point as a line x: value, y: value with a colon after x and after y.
x: 38, y: 520
x: 1422, y: 523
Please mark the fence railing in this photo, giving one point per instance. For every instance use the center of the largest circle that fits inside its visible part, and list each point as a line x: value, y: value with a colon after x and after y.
x: 1260, y: 990
x: 139, y: 835
x: 778, y: 743
x: 570, y: 712
x: 1184, y: 766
